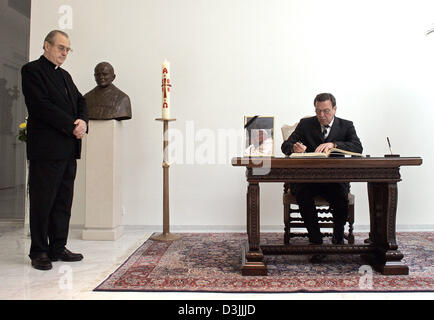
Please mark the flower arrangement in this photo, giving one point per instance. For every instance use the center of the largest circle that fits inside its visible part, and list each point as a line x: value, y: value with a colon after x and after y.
x: 22, y: 132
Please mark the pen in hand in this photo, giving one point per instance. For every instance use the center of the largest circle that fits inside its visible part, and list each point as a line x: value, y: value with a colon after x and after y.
x: 300, y: 146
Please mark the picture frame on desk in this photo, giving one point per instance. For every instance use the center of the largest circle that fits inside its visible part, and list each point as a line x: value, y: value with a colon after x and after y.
x: 259, y: 136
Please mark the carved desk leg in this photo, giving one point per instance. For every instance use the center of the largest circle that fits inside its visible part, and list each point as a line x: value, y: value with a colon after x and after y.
x: 383, y: 198
x: 253, y: 258
x: 371, y: 199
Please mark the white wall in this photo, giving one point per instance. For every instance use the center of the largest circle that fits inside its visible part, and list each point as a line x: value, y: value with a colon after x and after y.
x: 231, y: 58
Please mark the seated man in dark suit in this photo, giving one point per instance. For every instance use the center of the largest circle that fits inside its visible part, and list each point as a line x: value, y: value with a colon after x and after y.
x: 319, y: 134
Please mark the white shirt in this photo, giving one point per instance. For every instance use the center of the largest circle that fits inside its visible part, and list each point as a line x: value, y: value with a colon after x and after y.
x: 328, y: 129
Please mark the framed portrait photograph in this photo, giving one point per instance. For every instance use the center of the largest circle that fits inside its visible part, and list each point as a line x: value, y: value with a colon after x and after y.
x: 259, y: 136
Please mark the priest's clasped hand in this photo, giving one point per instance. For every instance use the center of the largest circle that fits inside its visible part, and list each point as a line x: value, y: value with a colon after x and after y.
x: 80, y: 128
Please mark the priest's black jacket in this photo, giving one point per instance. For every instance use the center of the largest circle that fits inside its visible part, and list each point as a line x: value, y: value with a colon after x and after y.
x: 53, y: 103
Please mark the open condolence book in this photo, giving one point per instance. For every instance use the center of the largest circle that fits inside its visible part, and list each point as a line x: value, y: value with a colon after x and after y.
x: 324, y: 154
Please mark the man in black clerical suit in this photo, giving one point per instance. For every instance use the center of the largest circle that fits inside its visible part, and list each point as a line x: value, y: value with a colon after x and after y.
x: 319, y: 134
x: 57, y: 121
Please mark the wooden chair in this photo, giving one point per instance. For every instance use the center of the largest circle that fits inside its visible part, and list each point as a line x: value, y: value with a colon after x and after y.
x: 291, y: 213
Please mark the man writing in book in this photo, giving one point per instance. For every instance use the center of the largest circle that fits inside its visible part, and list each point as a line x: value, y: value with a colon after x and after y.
x: 321, y: 133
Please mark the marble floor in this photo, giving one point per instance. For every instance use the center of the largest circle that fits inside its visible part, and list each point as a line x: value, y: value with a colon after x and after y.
x: 75, y: 281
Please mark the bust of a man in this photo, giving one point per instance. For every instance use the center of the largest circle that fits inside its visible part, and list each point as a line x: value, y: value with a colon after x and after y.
x: 106, y: 101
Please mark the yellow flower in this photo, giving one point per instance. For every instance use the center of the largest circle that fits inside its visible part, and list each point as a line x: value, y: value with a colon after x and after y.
x: 23, y: 125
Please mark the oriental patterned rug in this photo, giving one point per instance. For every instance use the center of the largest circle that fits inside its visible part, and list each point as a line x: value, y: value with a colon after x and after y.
x: 211, y: 262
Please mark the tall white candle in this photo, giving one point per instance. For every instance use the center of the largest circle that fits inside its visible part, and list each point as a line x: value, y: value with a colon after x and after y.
x: 166, y: 85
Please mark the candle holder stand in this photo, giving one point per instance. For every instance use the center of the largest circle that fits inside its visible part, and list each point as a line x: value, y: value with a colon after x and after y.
x: 166, y: 235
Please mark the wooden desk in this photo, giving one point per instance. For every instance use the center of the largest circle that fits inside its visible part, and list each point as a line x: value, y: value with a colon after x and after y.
x: 381, y: 174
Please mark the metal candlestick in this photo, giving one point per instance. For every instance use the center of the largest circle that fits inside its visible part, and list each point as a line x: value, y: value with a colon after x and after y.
x: 166, y: 235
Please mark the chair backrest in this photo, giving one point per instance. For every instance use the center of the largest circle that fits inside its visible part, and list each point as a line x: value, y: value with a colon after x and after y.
x: 287, y: 129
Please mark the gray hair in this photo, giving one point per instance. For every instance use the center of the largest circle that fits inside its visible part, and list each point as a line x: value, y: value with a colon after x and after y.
x: 50, y: 36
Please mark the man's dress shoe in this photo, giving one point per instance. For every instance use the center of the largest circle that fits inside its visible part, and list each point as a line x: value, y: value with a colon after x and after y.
x: 42, y: 262
x: 67, y: 256
x: 317, y: 258
x: 336, y: 241
x: 315, y: 241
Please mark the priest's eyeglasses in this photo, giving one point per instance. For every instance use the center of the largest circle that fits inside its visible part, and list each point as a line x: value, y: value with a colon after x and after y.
x: 63, y: 48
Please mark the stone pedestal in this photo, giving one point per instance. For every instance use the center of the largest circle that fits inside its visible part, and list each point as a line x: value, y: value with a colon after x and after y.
x: 103, y: 216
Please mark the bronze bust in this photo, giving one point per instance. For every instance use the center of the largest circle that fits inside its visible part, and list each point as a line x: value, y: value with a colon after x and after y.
x: 106, y: 101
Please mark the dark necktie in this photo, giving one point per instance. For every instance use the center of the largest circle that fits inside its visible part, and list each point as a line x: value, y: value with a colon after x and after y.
x: 324, y: 132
